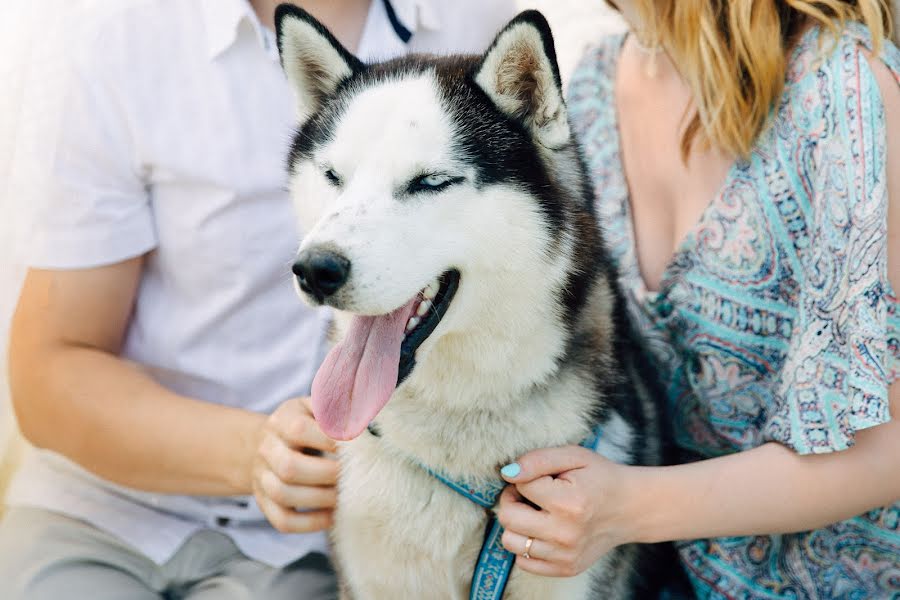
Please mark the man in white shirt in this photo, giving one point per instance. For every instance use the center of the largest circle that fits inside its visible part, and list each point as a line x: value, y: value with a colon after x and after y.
x: 157, y: 327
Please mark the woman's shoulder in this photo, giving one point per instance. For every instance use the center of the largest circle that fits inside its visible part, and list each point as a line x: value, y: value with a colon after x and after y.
x: 590, y: 94
x: 830, y: 117
x: 595, y: 72
x: 820, y: 49
x: 829, y: 78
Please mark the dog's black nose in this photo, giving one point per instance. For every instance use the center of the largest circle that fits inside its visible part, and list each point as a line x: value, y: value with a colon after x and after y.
x: 321, y: 272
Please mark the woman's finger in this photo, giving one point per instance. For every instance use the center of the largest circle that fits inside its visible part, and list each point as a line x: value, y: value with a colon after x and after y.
x: 543, y: 568
x: 545, y: 491
x: 544, y: 558
x: 520, y: 517
x: 548, y: 461
x: 539, y: 549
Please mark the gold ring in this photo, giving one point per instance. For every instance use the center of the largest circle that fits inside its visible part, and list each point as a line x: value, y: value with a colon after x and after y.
x: 528, y: 544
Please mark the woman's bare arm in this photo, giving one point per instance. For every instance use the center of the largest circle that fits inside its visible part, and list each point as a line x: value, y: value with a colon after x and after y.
x: 590, y: 505
x: 770, y: 489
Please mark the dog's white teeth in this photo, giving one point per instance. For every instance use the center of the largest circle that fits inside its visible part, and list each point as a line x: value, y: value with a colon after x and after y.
x: 424, y: 307
x: 430, y: 292
x: 412, y: 324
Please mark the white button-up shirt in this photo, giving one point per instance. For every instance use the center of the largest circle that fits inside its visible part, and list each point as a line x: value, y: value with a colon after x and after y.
x: 161, y: 128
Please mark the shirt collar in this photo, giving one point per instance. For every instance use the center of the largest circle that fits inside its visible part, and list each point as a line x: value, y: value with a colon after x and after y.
x: 417, y: 14
x: 224, y: 17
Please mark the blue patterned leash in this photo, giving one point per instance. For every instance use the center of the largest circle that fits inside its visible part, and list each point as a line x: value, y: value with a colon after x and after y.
x: 494, y: 562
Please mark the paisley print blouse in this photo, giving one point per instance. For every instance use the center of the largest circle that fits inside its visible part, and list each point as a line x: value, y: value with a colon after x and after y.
x: 775, y: 320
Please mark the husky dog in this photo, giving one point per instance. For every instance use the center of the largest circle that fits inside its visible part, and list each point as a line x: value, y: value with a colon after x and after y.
x: 450, y: 224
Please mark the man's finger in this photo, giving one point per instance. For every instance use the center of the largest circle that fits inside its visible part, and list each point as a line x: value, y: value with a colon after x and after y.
x: 549, y: 461
x: 306, y: 401
x: 296, y: 468
x: 299, y: 430
x: 297, y: 496
x: 286, y: 520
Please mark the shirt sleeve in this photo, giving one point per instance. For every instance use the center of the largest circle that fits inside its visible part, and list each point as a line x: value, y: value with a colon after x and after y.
x: 843, y: 353
x: 75, y: 171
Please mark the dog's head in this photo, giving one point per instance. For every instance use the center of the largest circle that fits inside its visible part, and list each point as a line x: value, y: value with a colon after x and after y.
x: 426, y: 191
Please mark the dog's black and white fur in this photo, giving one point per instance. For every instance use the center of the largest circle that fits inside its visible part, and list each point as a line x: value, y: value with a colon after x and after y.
x: 461, y: 173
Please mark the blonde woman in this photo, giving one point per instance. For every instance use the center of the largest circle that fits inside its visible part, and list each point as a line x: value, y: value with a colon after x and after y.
x: 746, y: 157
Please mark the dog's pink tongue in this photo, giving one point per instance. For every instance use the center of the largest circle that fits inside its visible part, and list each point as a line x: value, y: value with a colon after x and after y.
x: 359, y: 375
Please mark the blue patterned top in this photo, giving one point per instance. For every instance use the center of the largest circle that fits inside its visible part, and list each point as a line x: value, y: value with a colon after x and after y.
x: 775, y: 320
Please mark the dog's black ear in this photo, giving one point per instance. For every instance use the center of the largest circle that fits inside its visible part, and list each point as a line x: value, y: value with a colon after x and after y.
x: 520, y: 74
x: 313, y: 60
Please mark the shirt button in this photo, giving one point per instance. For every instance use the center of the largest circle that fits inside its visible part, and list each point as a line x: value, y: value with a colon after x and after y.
x: 223, y: 521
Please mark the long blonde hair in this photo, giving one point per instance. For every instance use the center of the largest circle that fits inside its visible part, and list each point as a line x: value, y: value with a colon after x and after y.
x: 733, y: 55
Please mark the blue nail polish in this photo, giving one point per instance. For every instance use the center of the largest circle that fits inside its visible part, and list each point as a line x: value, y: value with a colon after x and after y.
x: 511, y: 470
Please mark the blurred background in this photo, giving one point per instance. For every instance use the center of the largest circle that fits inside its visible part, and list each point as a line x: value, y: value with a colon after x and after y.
x: 576, y: 24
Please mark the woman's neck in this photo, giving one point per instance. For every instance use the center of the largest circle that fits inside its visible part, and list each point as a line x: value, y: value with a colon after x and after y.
x: 655, y: 61
x: 629, y: 13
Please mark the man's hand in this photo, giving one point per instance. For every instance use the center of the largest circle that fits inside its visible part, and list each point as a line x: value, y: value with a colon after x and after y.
x: 294, y: 487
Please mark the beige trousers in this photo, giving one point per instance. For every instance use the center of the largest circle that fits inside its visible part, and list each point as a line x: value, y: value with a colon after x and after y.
x: 48, y: 556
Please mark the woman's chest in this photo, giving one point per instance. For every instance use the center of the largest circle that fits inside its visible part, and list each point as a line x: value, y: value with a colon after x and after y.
x: 720, y: 239
x: 668, y: 191
x: 722, y: 324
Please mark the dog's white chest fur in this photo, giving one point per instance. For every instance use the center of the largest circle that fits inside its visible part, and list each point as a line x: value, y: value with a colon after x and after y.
x: 402, y: 534
x: 397, y: 532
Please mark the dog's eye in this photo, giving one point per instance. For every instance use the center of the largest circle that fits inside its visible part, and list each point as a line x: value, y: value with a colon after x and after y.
x: 332, y: 177
x: 433, y: 182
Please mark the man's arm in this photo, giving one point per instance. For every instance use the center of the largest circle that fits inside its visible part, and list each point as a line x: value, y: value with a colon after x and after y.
x: 74, y: 395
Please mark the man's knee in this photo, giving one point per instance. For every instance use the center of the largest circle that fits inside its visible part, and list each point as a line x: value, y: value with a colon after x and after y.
x: 309, y: 578
x: 312, y: 574
x: 44, y: 555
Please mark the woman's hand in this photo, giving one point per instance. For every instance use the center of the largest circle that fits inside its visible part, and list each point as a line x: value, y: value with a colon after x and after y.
x: 589, y: 505
x: 581, y: 499
x: 295, y: 489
